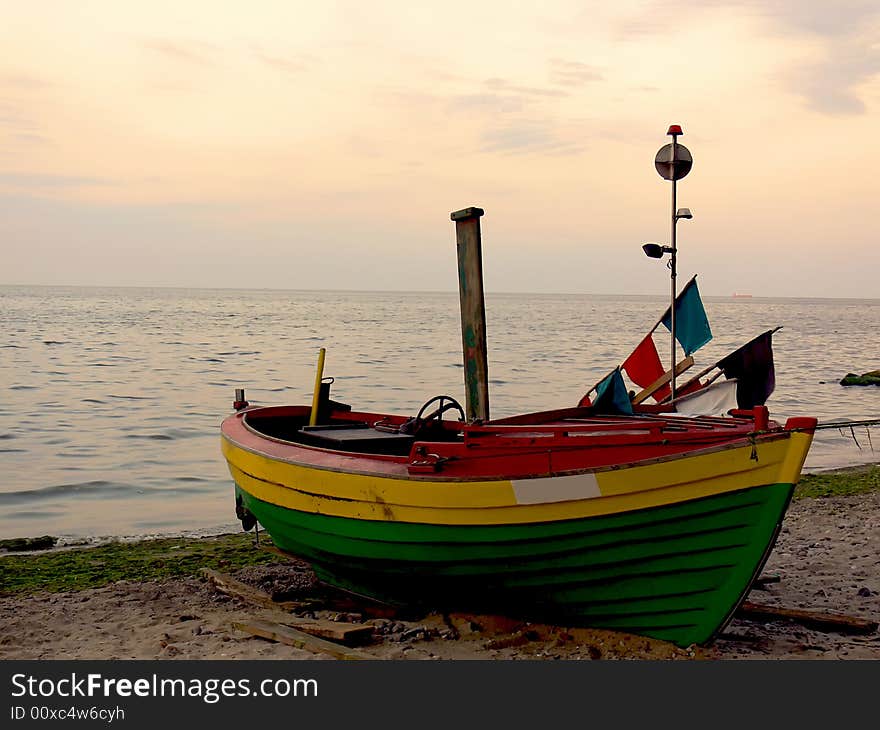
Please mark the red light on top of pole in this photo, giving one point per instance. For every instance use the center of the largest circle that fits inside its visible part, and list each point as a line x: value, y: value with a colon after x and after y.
x: 675, y: 129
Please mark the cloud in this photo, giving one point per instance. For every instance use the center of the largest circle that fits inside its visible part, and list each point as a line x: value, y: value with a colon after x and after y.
x: 17, y: 124
x: 502, y: 85
x: 19, y: 127
x: 847, y: 32
x: 837, y: 19
x: 27, y: 182
x: 500, y: 96
x: 850, y: 35
x: 819, y: 17
x: 23, y: 82
x: 831, y: 86
x: 189, y: 52
x: 527, y: 136
x: 506, y: 117
x: 31, y: 138
x: 573, y: 73
x: 500, y: 116
x: 13, y: 119
x: 486, y: 102
x: 293, y: 65
x: 520, y: 119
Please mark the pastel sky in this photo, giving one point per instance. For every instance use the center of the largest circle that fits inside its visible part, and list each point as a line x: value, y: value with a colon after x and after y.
x: 309, y: 145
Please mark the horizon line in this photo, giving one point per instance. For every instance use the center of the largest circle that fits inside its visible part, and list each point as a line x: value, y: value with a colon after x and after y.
x: 735, y: 295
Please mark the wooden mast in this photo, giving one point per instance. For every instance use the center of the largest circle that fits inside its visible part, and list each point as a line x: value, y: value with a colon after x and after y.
x: 473, y: 312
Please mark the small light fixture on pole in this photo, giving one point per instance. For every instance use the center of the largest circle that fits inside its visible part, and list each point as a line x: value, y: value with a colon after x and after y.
x: 655, y: 250
x: 673, y: 162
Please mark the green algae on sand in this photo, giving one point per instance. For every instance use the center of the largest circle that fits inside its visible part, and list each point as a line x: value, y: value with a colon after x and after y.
x: 839, y: 483
x: 93, y: 567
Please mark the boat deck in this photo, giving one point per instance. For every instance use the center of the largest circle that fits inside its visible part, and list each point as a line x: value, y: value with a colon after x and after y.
x: 391, y: 436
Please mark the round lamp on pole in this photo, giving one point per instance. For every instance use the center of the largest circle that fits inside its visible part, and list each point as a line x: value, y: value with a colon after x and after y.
x: 673, y: 161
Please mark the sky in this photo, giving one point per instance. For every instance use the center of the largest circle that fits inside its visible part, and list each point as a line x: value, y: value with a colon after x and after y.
x: 313, y: 145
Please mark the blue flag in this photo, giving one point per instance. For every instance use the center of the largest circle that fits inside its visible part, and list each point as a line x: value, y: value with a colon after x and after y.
x: 612, y: 396
x: 691, y: 324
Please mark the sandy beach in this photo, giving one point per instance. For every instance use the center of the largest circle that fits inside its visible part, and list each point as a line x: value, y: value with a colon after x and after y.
x: 826, y: 559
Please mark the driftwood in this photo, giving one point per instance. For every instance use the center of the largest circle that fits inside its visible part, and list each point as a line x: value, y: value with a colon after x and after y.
x: 345, y: 633
x: 819, y: 620
x: 299, y: 639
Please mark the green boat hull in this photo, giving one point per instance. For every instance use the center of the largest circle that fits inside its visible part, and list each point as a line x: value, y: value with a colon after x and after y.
x: 675, y: 572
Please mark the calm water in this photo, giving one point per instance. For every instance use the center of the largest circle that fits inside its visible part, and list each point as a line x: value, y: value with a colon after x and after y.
x: 112, y: 398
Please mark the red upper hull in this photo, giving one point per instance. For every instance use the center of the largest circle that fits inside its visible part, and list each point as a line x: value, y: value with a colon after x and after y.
x: 538, y: 444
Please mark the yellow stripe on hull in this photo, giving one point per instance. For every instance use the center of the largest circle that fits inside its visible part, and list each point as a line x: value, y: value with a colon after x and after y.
x: 635, y: 487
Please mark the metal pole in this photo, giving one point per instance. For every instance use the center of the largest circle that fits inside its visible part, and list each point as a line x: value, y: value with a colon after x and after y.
x: 672, y: 266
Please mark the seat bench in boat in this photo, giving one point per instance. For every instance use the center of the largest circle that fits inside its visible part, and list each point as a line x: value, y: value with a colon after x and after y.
x: 360, y: 438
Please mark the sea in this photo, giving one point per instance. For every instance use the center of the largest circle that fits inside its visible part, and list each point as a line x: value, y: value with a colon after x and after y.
x: 111, y: 398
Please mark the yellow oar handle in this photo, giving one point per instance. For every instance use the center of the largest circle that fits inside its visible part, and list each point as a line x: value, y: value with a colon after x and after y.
x: 313, y: 418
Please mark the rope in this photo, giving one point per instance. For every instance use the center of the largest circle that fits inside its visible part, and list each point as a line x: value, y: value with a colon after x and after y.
x: 851, y: 425
x: 848, y: 424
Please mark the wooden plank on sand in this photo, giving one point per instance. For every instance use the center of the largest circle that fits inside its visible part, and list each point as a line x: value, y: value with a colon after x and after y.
x: 819, y: 620
x: 349, y: 634
x: 236, y: 588
x: 299, y: 639
x: 338, y: 599
x: 345, y: 633
x: 763, y: 581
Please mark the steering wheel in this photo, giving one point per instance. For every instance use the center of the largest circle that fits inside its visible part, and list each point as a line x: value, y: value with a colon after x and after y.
x: 446, y: 403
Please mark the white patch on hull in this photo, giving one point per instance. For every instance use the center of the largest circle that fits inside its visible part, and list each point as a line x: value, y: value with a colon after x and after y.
x: 555, y: 489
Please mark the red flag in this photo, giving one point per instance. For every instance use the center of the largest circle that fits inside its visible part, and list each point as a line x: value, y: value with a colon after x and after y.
x: 644, y: 367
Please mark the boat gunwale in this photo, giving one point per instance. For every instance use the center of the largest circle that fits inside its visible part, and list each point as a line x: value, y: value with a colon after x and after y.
x: 752, y: 439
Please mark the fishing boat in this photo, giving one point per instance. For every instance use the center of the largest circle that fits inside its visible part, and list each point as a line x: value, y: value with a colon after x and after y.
x: 649, y: 522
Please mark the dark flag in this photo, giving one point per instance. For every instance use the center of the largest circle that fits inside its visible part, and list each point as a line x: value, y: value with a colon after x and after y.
x: 752, y: 366
x: 612, y: 396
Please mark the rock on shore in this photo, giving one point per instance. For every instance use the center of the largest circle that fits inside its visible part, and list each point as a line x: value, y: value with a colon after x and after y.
x: 871, y: 378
